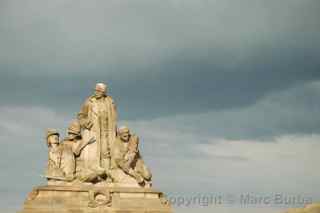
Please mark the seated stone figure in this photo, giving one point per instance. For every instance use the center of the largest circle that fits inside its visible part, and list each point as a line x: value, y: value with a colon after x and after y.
x: 126, y: 157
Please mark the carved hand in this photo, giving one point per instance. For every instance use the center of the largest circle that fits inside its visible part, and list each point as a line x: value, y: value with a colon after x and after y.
x: 92, y: 140
x: 88, y: 124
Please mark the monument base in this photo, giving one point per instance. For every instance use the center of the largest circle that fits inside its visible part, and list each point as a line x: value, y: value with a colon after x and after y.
x: 93, y: 199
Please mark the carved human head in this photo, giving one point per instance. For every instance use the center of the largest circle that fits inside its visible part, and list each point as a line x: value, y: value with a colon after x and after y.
x: 124, y: 133
x: 100, y: 90
x: 52, y: 137
x: 74, y: 129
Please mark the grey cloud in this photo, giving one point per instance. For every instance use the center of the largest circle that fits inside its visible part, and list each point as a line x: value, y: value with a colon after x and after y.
x: 172, y: 56
x: 291, y: 111
x: 181, y: 85
x: 191, y: 69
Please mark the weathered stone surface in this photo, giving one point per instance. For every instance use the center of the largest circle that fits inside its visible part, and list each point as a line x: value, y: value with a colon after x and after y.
x: 91, y: 199
x: 97, y: 168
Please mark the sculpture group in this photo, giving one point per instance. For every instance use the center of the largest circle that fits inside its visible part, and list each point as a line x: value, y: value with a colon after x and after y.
x: 95, y: 151
x: 97, y: 167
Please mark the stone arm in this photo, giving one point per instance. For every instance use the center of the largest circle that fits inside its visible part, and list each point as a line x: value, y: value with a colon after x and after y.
x: 114, y: 107
x: 80, y: 144
x: 83, y: 117
x: 53, y: 160
x: 53, y: 168
x: 134, y: 144
x: 123, y: 165
x: 119, y: 160
x: 51, y: 164
x: 133, y: 150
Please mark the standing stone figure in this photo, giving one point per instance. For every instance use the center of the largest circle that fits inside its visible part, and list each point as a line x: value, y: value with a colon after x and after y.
x: 126, y: 157
x: 98, y: 118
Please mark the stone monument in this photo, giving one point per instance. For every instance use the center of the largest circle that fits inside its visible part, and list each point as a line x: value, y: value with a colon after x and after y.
x: 97, y: 168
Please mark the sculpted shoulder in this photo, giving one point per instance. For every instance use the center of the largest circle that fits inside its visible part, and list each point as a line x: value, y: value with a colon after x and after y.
x: 67, y: 144
x: 90, y: 99
x: 135, y: 137
x: 118, y: 141
x: 110, y: 98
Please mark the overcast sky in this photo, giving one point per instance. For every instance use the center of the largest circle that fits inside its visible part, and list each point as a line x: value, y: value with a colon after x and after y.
x: 224, y: 94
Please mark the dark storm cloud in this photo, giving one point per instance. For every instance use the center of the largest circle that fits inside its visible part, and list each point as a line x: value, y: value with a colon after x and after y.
x: 293, y: 111
x: 159, y: 58
x: 201, y: 70
x: 179, y: 85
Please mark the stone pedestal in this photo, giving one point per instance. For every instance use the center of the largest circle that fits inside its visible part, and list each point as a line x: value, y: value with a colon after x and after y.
x: 93, y: 199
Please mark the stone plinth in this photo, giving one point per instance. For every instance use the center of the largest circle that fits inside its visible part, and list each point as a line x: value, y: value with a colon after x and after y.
x: 92, y: 199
